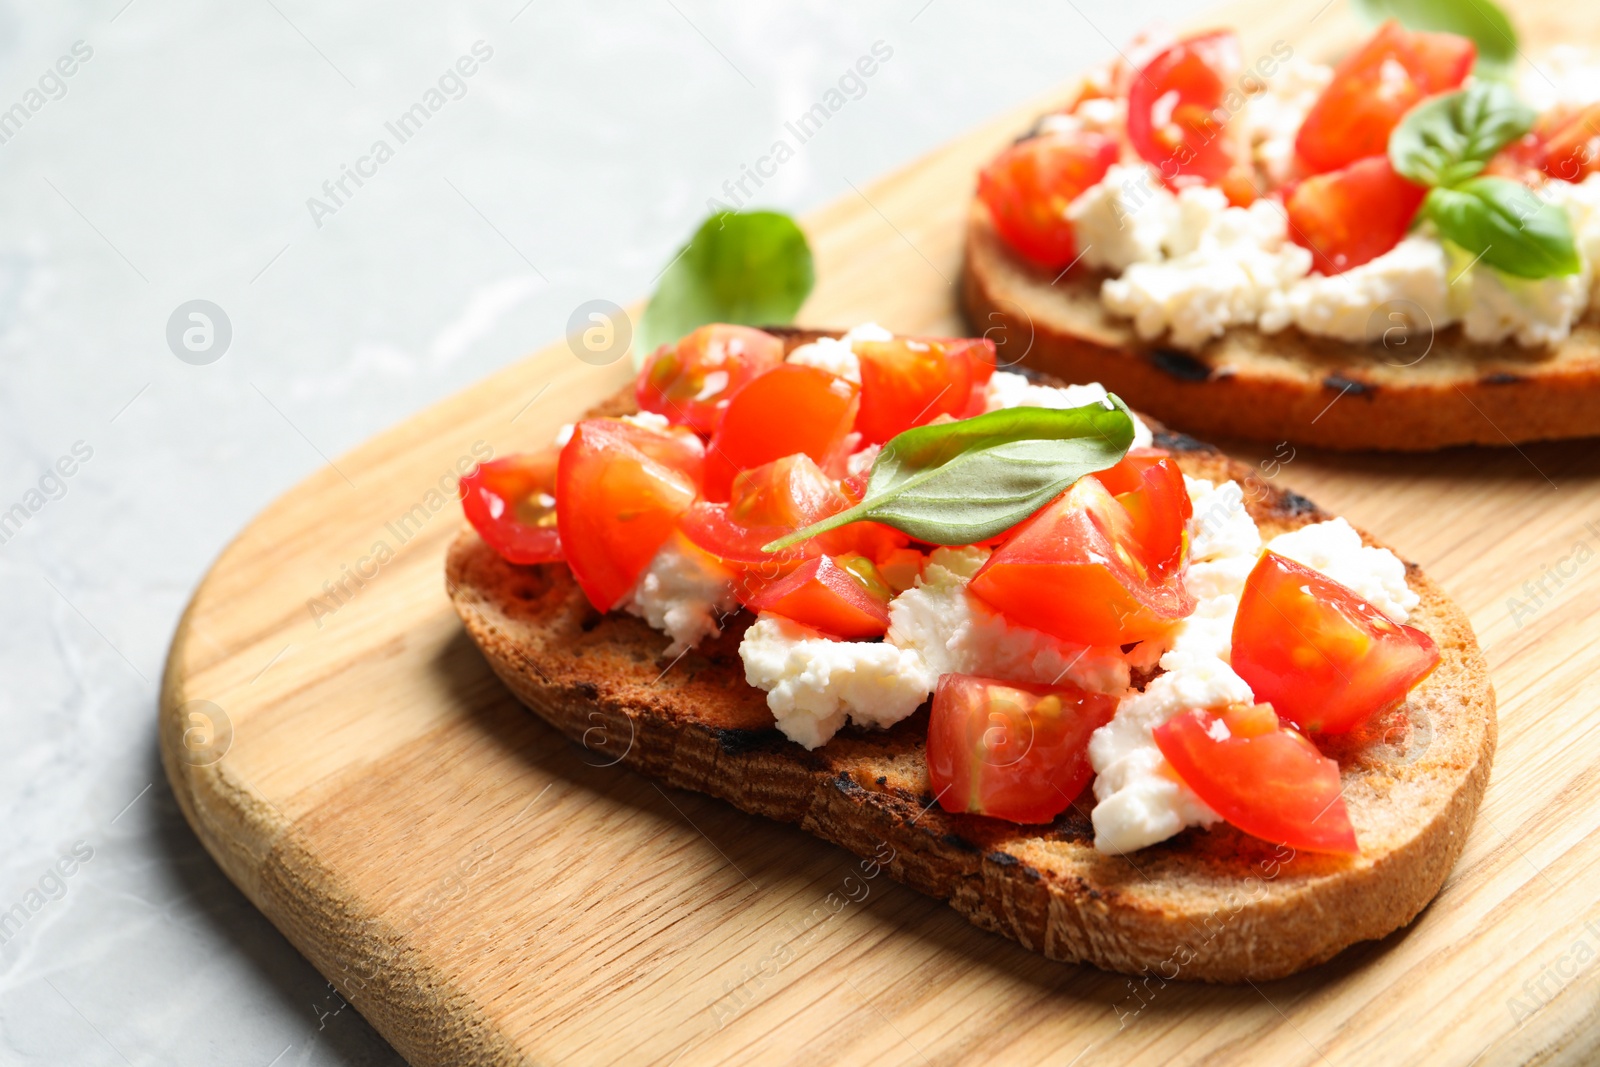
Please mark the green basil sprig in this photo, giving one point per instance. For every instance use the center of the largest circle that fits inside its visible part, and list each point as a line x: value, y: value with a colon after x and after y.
x: 961, y: 482
x: 1445, y: 143
x: 1506, y: 225
x: 1451, y: 138
x: 749, y: 267
x: 1481, y: 20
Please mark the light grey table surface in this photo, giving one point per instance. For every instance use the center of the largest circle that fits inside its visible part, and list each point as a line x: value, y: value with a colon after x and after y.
x: 174, y: 164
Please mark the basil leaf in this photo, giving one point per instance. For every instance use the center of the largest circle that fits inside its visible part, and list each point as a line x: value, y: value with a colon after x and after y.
x: 1480, y: 20
x: 1450, y: 138
x: 1506, y: 226
x: 960, y: 482
x: 746, y: 267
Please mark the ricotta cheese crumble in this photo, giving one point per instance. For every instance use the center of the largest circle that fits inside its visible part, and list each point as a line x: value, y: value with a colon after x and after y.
x: 815, y: 683
x: 835, y: 354
x: 1188, y: 267
x: 685, y: 593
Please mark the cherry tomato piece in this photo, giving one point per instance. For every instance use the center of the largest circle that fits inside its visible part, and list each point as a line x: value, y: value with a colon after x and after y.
x: 1373, y: 88
x: 1571, y: 151
x: 1352, y: 216
x: 1266, y: 780
x: 910, y: 382
x: 826, y: 596
x: 791, y: 408
x: 1177, y: 121
x: 690, y: 381
x: 511, y: 502
x: 1028, y: 186
x: 1323, y: 657
x: 1011, y: 750
x: 766, y: 503
x: 1088, y: 570
x: 621, y: 488
x: 1149, y: 483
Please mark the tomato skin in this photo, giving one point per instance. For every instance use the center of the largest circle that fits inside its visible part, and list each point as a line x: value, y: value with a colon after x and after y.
x: 1173, y: 112
x: 766, y: 503
x: 1263, y: 779
x: 511, y: 502
x: 691, y: 380
x: 1352, y: 216
x: 1323, y: 657
x: 1011, y: 750
x: 1571, y: 151
x: 910, y: 382
x: 1086, y: 570
x: 1373, y: 88
x: 791, y: 408
x: 1149, y: 483
x: 1028, y: 186
x: 622, y: 489
x: 825, y: 596
x: 1128, y: 473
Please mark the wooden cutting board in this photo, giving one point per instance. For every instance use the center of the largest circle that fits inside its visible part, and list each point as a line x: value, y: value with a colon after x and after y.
x: 484, y: 891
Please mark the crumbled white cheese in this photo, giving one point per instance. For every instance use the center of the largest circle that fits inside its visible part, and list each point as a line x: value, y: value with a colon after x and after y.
x: 1105, y: 115
x: 1223, y: 264
x: 1123, y: 219
x: 1008, y: 389
x: 814, y: 683
x: 1189, y: 266
x: 1220, y: 528
x: 1335, y: 549
x: 1412, y: 277
x: 956, y: 633
x: 1140, y: 800
x: 1272, y: 118
x: 835, y: 355
x: 564, y: 434
x: 684, y: 593
x: 1535, y: 311
x: 1566, y: 76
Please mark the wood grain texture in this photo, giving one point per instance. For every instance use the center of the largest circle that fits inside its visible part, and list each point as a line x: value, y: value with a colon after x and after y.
x: 484, y: 892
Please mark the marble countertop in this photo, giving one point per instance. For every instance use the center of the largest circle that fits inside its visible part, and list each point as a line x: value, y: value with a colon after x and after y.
x: 161, y: 159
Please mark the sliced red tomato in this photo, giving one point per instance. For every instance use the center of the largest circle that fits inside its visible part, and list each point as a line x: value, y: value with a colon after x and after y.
x: 909, y: 382
x: 1128, y: 474
x: 766, y: 503
x: 791, y: 408
x: 511, y: 502
x: 1323, y: 657
x: 1149, y: 483
x: 1028, y: 186
x: 1094, y: 568
x: 1267, y: 780
x: 622, y: 488
x: 845, y: 598
x: 1571, y: 151
x: 1373, y: 88
x: 692, y: 380
x: 1011, y: 750
x: 1352, y: 216
x: 1176, y: 118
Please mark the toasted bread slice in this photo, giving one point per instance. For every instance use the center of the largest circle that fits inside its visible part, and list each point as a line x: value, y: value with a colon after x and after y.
x: 1213, y: 905
x: 1420, y: 394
